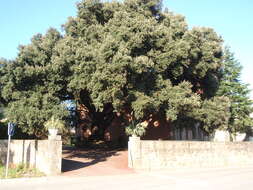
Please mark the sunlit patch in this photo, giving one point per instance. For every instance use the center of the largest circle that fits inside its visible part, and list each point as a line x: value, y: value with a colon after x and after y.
x: 156, y: 124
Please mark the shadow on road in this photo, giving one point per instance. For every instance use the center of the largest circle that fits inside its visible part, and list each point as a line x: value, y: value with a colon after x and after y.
x: 70, y: 165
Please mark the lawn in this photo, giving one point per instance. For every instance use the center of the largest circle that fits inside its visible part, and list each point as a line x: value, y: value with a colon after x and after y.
x: 19, y: 171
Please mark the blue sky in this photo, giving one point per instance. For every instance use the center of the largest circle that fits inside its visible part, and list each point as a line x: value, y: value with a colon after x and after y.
x: 232, y: 19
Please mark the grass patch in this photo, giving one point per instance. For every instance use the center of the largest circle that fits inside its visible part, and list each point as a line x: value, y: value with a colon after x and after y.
x: 20, y: 170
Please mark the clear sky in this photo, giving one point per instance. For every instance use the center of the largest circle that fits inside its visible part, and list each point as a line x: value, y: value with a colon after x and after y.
x: 232, y: 19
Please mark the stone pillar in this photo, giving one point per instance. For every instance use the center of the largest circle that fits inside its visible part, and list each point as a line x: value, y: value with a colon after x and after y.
x: 49, y: 156
x: 134, y: 152
x: 56, y: 137
x: 221, y: 136
x: 239, y: 137
x: 54, y: 157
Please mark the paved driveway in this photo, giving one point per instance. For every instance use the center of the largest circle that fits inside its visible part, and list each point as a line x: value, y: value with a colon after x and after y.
x: 206, y: 179
x: 94, y: 162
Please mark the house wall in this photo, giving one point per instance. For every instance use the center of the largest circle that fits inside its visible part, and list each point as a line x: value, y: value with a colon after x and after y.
x: 150, y: 155
x: 45, y: 155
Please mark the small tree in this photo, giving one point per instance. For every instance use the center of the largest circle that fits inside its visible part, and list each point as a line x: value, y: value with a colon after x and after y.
x: 238, y: 94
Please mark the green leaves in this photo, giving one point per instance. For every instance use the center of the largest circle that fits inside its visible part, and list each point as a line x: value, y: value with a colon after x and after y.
x: 135, y: 129
x: 124, y: 54
x: 214, y: 113
x: 54, y: 123
x: 30, y: 113
x: 238, y: 94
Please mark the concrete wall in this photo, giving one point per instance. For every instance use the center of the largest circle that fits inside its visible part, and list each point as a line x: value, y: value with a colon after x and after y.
x: 45, y: 155
x: 151, y: 155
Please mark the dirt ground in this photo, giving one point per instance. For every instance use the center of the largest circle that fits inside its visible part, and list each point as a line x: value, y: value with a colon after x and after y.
x: 94, y: 162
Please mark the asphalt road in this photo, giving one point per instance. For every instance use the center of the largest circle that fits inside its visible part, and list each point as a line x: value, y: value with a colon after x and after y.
x: 190, y: 179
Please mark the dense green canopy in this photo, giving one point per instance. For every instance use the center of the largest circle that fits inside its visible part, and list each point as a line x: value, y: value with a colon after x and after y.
x: 127, y: 54
x: 238, y: 94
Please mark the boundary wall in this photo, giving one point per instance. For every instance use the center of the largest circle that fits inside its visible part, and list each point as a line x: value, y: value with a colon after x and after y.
x: 150, y: 155
x: 45, y: 155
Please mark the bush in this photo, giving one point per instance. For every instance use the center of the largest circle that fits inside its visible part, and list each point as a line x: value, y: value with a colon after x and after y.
x: 20, y: 170
x: 135, y: 130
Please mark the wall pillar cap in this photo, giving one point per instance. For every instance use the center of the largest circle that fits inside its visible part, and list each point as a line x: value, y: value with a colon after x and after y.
x: 134, y: 138
x: 56, y: 138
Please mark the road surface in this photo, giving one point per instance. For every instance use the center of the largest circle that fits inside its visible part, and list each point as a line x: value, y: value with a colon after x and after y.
x: 190, y: 179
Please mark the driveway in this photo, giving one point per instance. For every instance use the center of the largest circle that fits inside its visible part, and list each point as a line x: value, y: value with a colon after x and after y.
x: 95, y: 162
x: 207, y: 179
